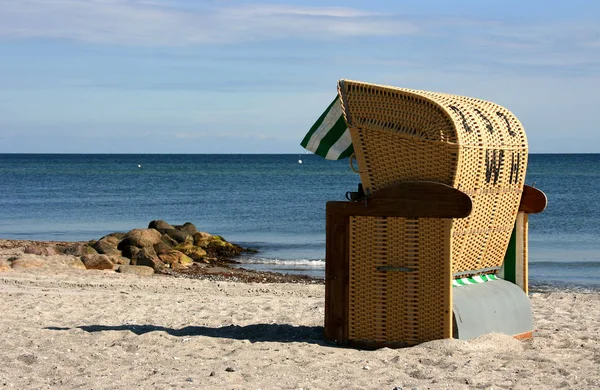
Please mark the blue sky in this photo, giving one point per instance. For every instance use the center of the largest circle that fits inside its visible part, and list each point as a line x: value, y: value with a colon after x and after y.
x: 226, y: 76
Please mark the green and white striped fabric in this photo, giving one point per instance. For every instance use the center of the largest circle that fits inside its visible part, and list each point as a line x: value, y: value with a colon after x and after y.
x: 473, y: 280
x: 329, y: 137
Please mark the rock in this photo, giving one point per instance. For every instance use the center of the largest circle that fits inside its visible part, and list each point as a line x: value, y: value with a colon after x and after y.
x: 220, y: 248
x: 185, y: 261
x: 118, y: 235
x: 66, y: 261
x: 177, y: 266
x: 170, y: 257
x: 168, y: 240
x: 188, y: 228
x: 176, y: 259
x: 178, y: 235
x: 140, y: 238
x: 147, y: 251
x: 113, y: 238
x: 202, y: 239
x: 4, y: 266
x: 107, y: 246
x: 195, y: 252
x: 97, y: 262
x: 160, y: 225
x: 80, y: 249
x: 147, y: 256
x: 161, y: 247
x: 40, y: 250
x: 120, y: 260
x: 130, y: 251
x: 141, y: 270
x: 27, y: 262
x: 52, y: 261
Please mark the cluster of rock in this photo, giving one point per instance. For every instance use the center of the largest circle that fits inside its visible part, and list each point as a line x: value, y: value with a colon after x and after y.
x: 144, y: 251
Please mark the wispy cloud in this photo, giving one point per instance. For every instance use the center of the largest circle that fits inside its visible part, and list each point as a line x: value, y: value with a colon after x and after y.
x: 417, y: 41
x: 223, y: 135
x: 565, y: 48
x: 160, y: 23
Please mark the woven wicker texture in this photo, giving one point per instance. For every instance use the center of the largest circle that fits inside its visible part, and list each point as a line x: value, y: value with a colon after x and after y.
x: 397, y: 291
x: 476, y: 146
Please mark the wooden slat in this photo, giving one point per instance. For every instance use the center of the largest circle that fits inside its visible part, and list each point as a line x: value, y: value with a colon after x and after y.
x: 516, y: 265
x: 523, y: 224
x: 533, y: 201
x: 410, y: 200
x: 336, y: 276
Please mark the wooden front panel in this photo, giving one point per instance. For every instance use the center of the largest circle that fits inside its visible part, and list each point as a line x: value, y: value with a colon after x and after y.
x: 336, y: 276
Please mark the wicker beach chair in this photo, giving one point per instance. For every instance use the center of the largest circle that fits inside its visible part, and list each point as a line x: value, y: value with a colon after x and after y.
x: 443, y: 177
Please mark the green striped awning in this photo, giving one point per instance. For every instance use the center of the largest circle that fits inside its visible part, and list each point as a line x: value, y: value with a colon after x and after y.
x: 329, y: 137
x: 473, y: 280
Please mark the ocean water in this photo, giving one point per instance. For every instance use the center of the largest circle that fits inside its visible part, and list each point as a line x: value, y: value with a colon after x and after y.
x: 268, y: 202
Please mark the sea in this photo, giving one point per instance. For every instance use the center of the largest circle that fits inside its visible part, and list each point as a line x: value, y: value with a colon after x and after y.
x: 274, y: 203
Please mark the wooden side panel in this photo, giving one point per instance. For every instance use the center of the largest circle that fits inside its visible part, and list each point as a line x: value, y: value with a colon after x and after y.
x: 336, y: 275
x: 515, y: 260
x: 533, y: 201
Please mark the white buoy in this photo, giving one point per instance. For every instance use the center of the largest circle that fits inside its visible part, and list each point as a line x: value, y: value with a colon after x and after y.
x: 299, y: 161
x: 139, y: 166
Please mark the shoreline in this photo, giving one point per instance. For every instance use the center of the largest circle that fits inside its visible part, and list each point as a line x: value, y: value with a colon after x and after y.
x: 221, y: 271
x: 235, y: 271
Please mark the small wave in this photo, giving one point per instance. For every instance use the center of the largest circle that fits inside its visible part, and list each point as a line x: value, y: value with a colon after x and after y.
x: 304, y: 263
x: 561, y: 286
x: 591, y: 264
x: 263, y: 246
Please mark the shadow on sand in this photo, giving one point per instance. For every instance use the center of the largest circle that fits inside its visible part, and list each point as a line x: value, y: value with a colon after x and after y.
x: 253, y: 333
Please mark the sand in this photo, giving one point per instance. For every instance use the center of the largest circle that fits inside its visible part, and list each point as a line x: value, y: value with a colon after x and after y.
x: 64, y: 328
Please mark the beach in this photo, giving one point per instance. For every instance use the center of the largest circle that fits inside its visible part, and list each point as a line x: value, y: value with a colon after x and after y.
x: 67, y: 328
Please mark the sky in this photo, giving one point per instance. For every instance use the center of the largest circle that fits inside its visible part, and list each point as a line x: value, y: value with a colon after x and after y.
x: 227, y: 76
